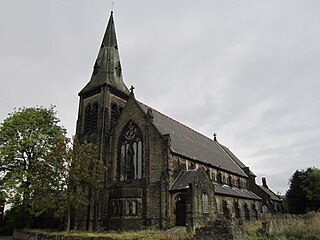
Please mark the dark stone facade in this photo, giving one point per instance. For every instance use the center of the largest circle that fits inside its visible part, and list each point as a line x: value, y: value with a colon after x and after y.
x: 160, y: 173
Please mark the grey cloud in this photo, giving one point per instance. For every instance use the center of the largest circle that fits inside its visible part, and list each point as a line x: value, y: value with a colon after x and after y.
x: 248, y: 71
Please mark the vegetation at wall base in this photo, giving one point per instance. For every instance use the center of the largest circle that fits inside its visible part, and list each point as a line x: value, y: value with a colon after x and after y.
x: 309, y: 229
x: 135, y: 235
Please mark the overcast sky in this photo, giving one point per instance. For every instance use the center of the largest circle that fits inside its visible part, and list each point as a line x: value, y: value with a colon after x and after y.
x: 247, y: 70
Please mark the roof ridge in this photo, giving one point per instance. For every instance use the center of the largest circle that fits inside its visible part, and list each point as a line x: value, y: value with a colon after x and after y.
x: 182, y: 124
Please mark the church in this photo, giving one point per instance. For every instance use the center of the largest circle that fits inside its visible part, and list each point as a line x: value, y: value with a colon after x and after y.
x: 159, y: 172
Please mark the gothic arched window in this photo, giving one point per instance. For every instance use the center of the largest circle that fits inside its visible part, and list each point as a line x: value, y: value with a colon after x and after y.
x: 87, y: 118
x: 91, y: 114
x: 130, y: 164
x: 219, y: 177
x: 95, y: 116
x: 115, y: 112
x: 205, y: 203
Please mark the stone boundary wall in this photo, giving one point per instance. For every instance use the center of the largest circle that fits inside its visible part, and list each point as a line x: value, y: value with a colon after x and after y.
x: 221, y: 229
x: 274, y: 223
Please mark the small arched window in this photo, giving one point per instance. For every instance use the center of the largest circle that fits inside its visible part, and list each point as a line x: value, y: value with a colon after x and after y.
x: 230, y: 180
x: 225, y: 209
x: 91, y: 115
x: 134, y: 208
x: 238, y: 183
x: 237, y: 209
x: 95, y: 116
x: 219, y: 177
x: 115, y: 112
x: 87, y: 118
x: 205, y: 203
x: 130, y: 164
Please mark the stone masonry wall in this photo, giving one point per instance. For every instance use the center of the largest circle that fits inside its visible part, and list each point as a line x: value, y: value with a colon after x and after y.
x: 221, y: 229
x: 274, y: 223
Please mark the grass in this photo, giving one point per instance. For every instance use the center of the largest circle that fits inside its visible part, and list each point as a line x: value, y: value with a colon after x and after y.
x: 309, y: 229
x: 134, y: 235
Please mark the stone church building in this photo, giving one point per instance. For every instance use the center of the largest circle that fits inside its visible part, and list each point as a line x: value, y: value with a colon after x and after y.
x: 160, y: 173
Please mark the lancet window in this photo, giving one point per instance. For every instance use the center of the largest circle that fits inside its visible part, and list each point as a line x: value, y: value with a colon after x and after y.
x: 91, y: 114
x: 95, y: 111
x: 87, y: 118
x: 205, y: 203
x: 114, y: 114
x: 130, y: 164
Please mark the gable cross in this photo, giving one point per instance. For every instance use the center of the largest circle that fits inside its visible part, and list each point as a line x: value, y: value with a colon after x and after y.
x: 215, y: 137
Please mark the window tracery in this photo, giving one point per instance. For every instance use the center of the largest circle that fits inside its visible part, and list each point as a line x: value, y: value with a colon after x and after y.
x: 131, y: 160
x: 205, y: 203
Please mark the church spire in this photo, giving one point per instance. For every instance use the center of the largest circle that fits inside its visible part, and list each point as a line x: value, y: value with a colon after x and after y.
x: 107, y: 68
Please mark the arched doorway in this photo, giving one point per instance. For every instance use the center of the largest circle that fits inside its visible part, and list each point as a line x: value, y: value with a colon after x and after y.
x: 181, y: 211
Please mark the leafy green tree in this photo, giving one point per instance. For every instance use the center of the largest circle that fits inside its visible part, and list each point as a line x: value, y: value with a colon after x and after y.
x: 78, y: 175
x: 295, y: 195
x: 304, y: 191
x: 27, y: 136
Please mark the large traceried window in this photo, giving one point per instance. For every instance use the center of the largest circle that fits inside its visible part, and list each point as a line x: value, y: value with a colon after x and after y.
x: 130, y: 164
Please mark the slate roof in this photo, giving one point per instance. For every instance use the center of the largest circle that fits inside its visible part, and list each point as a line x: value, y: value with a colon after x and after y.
x: 236, y: 159
x: 107, y: 68
x: 222, y: 189
x: 183, y: 180
x: 272, y: 195
x: 191, y: 144
x: 187, y: 176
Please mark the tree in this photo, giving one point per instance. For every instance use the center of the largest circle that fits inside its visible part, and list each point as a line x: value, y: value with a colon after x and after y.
x: 27, y: 136
x: 81, y: 177
x: 304, y: 191
x: 295, y: 195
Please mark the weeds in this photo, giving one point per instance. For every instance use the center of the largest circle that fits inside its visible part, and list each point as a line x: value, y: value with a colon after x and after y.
x: 309, y: 229
x: 134, y: 235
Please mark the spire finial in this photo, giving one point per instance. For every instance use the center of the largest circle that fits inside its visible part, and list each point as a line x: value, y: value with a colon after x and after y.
x: 215, y: 137
x: 112, y: 4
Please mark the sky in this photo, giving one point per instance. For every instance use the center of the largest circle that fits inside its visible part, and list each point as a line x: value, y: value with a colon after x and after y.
x: 246, y: 70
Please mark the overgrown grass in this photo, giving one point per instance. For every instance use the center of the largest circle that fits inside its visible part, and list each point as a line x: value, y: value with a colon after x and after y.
x: 134, y: 235
x: 309, y: 229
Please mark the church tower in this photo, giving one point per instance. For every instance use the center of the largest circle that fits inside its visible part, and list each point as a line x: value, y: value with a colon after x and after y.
x: 104, y: 96
x: 101, y: 102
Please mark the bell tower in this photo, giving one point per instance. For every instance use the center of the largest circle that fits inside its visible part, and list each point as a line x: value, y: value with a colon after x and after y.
x: 104, y: 96
x: 101, y: 102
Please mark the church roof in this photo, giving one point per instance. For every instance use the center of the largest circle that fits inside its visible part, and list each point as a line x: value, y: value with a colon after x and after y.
x: 272, y: 195
x: 107, y: 68
x: 222, y: 189
x: 184, y: 179
x: 191, y: 144
x: 236, y: 159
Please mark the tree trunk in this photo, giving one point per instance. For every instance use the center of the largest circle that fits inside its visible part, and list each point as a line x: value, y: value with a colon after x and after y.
x: 68, y: 219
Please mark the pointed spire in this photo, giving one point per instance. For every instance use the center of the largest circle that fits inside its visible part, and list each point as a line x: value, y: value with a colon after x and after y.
x: 109, y: 38
x: 107, y: 68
